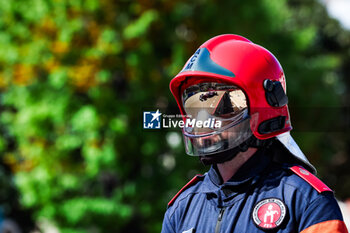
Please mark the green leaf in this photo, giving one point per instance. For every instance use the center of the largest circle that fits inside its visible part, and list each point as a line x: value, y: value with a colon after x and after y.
x: 140, y: 26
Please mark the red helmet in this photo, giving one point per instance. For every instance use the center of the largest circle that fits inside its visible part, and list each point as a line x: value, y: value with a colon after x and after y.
x: 222, y: 69
x: 235, y: 60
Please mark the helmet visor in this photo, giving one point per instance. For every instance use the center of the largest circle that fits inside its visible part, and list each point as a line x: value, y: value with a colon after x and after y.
x: 217, y: 118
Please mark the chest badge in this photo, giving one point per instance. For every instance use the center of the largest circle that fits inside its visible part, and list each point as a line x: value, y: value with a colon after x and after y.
x: 269, y: 213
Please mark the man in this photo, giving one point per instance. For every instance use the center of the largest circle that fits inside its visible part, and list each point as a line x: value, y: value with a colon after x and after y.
x: 259, y: 181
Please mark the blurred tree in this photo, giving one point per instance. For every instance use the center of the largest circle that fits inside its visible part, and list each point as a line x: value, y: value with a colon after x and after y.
x: 76, y: 76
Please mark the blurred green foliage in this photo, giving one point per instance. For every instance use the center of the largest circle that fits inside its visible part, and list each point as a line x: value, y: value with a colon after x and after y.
x: 76, y: 76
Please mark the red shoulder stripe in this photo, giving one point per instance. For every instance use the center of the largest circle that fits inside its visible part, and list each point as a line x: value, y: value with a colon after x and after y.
x: 330, y: 226
x: 193, y: 181
x: 311, y: 179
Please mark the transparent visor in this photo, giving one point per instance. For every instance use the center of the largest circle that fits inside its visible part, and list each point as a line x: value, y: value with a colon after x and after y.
x: 216, y: 118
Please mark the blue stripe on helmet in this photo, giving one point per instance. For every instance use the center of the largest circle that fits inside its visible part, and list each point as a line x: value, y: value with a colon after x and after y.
x: 201, y: 61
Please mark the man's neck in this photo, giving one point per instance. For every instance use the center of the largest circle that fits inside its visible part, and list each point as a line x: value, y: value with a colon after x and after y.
x: 228, y: 169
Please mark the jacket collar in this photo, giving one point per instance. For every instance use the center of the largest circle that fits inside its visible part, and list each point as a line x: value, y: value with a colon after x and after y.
x: 249, y: 171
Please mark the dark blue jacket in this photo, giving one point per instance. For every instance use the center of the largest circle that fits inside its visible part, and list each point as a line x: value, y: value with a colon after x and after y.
x: 207, y: 205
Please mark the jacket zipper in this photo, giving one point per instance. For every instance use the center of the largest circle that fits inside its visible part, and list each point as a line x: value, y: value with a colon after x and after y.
x: 218, y: 223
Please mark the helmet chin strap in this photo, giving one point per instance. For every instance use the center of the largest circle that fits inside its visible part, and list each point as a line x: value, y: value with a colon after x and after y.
x: 227, y: 155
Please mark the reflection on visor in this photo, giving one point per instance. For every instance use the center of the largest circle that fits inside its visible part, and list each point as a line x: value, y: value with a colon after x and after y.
x: 221, y: 98
x: 215, y: 102
x: 210, y: 103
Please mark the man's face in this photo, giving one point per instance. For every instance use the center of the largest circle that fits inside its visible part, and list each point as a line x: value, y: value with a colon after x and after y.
x: 215, y: 102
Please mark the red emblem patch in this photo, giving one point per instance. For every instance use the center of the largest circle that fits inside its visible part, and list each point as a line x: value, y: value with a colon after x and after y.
x: 269, y: 213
